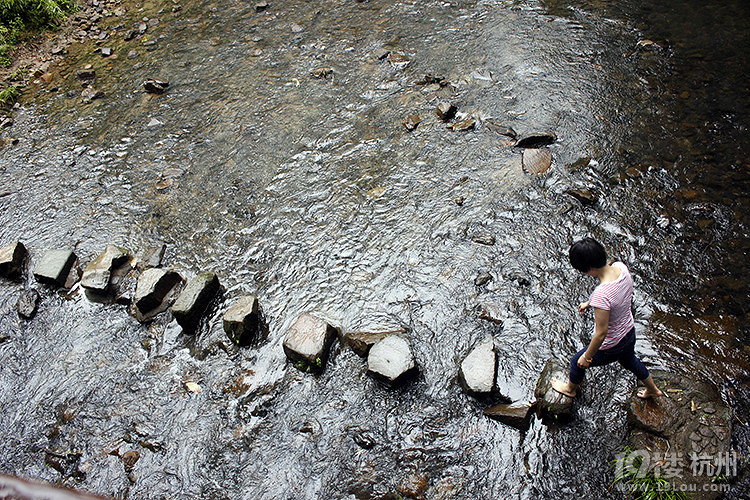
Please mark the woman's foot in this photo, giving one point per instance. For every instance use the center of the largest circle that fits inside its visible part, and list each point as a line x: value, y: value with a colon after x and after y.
x: 564, y: 388
x: 645, y: 393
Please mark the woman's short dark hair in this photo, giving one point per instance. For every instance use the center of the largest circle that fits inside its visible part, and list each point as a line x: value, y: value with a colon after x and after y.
x: 586, y: 254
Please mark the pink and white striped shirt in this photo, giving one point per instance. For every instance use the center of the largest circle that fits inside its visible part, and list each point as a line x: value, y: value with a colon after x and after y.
x: 616, y: 297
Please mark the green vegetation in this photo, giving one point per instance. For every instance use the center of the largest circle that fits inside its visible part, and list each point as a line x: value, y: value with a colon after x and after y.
x: 642, y: 485
x: 8, y: 97
x: 17, y: 17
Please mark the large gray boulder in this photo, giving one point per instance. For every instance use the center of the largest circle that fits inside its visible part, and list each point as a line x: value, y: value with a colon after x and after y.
x: 55, y: 267
x: 479, y: 368
x: 391, y: 359
x: 154, y: 292
x: 194, y: 300
x: 307, y: 343
x: 242, y: 320
x: 549, y: 401
x: 12, y: 258
x: 98, y: 272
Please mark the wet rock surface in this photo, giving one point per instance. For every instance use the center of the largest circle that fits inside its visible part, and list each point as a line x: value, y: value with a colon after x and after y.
x: 391, y: 359
x: 537, y: 140
x: 27, y: 304
x: 478, y: 369
x: 154, y: 292
x: 12, y: 260
x: 549, y: 401
x: 308, y: 341
x: 517, y: 414
x: 153, y: 86
x: 242, y: 320
x: 536, y: 161
x: 411, y: 122
x: 54, y: 267
x: 97, y: 273
x: 445, y: 111
x: 194, y: 300
x: 361, y: 342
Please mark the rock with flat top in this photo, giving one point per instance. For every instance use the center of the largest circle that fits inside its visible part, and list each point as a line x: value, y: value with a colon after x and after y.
x: 242, y: 320
x: 194, y: 300
x: 27, y: 304
x: 55, y: 267
x: 517, y: 414
x: 536, y: 161
x: 479, y: 368
x: 549, y: 400
x: 154, y: 292
x: 307, y: 342
x: 391, y: 359
x: 361, y: 342
x: 97, y: 274
x: 12, y: 258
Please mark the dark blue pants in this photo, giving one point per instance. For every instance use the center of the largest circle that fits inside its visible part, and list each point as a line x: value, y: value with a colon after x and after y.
x: 624, y: 352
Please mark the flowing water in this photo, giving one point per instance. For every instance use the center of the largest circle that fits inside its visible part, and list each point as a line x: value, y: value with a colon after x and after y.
x: 311, y: 194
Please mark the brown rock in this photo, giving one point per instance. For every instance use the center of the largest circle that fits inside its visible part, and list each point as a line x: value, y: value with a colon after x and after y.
x: 445, y: 111
x: 360, y: 342
x: 536, y: 161
x: 585, y: 196
x: 462, y: 126
x: 517, y: 414
x: 129, y: 459
x: 411, y: 122
x: 12, y: 259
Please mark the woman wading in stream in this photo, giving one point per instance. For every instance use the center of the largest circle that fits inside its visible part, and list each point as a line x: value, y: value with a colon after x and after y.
x: 614, y: 330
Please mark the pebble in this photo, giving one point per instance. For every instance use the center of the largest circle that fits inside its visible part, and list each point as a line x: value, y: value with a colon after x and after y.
x: 411, y: 122
x: 445, y: 111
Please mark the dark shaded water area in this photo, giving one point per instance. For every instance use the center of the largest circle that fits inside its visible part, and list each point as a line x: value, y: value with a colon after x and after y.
x: 309, y: 193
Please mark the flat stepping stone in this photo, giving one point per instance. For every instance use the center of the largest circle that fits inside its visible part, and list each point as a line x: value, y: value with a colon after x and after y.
x: 12, y: 258
x: 361, y: 342
x: 391, y: 359
x: 479, y: 368
x: 194, y: 300
x: 550, y: 401
x: 536, y: 161
x: 307, y: 343
x: 242, y: 320
x: 517, y: 414
x: 55, y: 267
x: 154, y: 292
x: 98, y: 272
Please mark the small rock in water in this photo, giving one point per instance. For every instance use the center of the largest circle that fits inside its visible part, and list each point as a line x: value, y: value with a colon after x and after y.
x: 27, y: 304
x: 150, y: 256
x: 411, y: 122
x: 129, y: 459
x: 397, y: 60
x: 194, y: 300
x: 154, y: 122
x: 391, y: 359
x: 479, y: 368
x: 296, y: 28
x: 549, y: 400
x: 517, y: 414
x: 502, y: 129
x: 307, y: 343
x: 133, y: 54
x: 12, y: 259
x: 462, y: 126
x: 85, y: 74
x: 364, y: 439
x: 153, y: 86
x: 361, y: 342
x: 242, y: 321
x: 97, y: 274
x: 55, y: 267
x: 322, y: 72
x: 445, y: 111
x: 154, y: 292
x: 585, y: 196
x: 106, y: 51
x: 482, y: 279
x: 537, y: 140
x: 153, y: 22
x: 261, y: 6
x: 536, y: 161
x: 484, y: 239
x: 90, y: 93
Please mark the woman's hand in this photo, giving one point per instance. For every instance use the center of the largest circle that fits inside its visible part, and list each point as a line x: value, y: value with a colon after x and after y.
x: 583, y: 307
x: 583, y: 362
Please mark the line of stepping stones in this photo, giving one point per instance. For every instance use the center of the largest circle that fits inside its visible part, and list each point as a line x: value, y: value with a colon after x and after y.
x: 306, y: 344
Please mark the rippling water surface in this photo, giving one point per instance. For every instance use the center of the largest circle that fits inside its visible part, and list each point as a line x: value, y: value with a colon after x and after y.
x: 311, y: 194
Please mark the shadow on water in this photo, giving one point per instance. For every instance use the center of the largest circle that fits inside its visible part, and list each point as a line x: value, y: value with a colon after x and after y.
x: 309, y: 193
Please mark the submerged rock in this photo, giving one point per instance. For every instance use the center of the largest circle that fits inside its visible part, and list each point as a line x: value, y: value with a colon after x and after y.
x: 12, y: 259
x: 27, y: 304
x: 536, y: 140
x: 411, y: 122
x: 479, y: 368
x: 153, y: 86
x: 391, y: 359
x: 536, y: 161
x: 194, y: 300
x: 482, y: 279
x: 98, y: 272
x: 153, y: 292
x: 483, y: 239
x: 85, y: 74
x: 242, y: 320
x: 462, y: 126
x: 398, y: 60
x: 150, y: 256
x: 583, y: 195
x: 90, y: 93
x: 55, y: 267
x: 445, y: 111
x: 307, y: 342
x: 517, y: 414
x: 322, y: 72
x: 549, y: 400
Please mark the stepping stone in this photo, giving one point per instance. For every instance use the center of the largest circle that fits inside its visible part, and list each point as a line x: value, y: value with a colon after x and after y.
x: 478, y: 370
x: 536, y: 161
x: 549, y: 400
x: 98, y: 272
x: 12, y: 258
x: 242, y: 320
x: 391, y: 359
x: 307, y: 343
x: 153, y: 292
x: 55, y: 267
x: 194, y: 300
x: 361, y: 342
x: 517, y: 414
x: 27, y: 304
